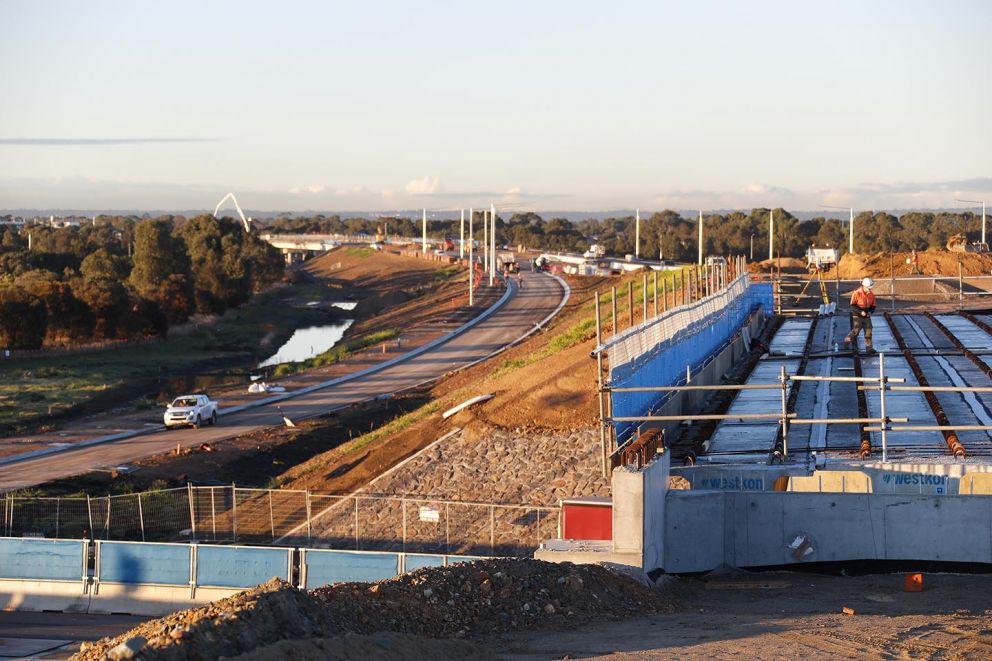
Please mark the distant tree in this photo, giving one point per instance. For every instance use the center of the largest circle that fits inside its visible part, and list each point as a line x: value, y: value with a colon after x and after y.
x: 69, y: 319
x: 161, y: 271
x: 102, y: 265
x: 23, y: 319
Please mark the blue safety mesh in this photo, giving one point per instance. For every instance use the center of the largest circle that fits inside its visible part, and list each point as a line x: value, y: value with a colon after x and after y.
x: 665, y: 363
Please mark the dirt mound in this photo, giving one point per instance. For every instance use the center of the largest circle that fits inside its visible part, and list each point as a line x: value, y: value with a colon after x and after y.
x: 787, y: 264
x: 465, y: 599
x: 931, y: 262
x: 380, y: 646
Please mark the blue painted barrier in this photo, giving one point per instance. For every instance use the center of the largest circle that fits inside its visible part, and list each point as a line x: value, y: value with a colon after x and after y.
x: 134, y: 563
x: 416, y: 561
x: 41, y: 559
x: 325, y: 567
x: 240, y: 566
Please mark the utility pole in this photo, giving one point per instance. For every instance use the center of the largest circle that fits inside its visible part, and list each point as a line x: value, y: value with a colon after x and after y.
x: 700, y: 237
x: 485, y: 240
x: 425, y: 232
x: 637, y: 233
x: 461, y: 241
x: 982, y: 202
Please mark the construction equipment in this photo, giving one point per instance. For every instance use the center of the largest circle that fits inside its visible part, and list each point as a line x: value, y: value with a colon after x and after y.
x: 816, y: 275
x: 959, y: 243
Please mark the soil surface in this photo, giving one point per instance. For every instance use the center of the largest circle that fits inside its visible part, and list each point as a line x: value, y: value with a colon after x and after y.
x: 768, y: 615
x: 788, y: 616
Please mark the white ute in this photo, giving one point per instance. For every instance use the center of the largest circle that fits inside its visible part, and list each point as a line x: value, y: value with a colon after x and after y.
x: 191, y: 410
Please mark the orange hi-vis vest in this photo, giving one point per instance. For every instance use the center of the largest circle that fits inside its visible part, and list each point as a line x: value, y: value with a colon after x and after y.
x: 862, y: 299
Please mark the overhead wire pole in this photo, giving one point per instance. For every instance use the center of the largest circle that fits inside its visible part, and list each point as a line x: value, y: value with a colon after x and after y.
x: 850, y: 225
x: 982, y: 202
x: 461, y: 241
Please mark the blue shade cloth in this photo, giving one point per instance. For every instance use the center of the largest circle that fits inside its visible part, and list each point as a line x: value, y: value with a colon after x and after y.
x: 240, y: 567
x: 41, y: 559
x: 665, y: 363
x: 162, y: 564
x: 325, y: 567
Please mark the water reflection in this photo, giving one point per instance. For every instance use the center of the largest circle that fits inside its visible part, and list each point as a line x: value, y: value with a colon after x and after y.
x: 308, y: 342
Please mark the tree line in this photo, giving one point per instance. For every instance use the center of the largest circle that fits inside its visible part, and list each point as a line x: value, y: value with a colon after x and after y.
x: 669, y: 235
x: 124, y: 277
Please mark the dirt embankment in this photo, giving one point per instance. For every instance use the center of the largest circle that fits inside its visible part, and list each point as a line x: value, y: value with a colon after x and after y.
x: 462, y: 600
x: 934, y: 261
x: 931, y: 262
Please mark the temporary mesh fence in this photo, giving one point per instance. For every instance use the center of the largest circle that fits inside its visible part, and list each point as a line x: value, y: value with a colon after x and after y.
x: 659, y: 352
x: 229, y: 514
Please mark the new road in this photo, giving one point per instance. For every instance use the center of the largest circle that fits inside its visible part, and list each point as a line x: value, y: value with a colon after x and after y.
x: 525, y: 307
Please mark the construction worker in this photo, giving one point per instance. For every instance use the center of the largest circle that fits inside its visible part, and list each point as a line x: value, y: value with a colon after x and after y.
x: 862, y: 307
x: 915, y: 261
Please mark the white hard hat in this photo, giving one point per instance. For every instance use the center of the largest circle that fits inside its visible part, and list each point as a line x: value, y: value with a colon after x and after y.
x: 868, y: 283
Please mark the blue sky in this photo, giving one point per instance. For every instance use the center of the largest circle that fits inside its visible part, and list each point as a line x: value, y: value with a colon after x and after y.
x: 556, y: 105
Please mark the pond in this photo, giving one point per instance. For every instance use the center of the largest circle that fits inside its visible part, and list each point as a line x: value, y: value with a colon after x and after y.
x: 308, y: 342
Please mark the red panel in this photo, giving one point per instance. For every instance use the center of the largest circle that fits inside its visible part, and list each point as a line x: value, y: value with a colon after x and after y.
x: 587, y: 521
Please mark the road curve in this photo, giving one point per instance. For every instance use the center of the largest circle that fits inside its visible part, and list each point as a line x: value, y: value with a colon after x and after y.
x: 539, y: 297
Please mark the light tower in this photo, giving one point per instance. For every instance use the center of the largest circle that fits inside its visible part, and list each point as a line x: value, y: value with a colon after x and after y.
x: 850, y: 225
x: 982, y: 202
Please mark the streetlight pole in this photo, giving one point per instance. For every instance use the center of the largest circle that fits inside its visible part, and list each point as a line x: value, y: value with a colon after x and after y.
x: 752, y: 246
x: 461, y: 243
x: 471, y: 261
x: 982, y: 202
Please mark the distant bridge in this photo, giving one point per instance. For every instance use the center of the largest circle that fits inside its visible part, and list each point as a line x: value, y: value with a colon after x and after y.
x: 298, y: 247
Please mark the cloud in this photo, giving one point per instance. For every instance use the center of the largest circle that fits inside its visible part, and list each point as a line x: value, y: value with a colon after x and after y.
x: 424, y: 186
x: 514, y: 191
x: 304, y: 190
x: 72, y: 142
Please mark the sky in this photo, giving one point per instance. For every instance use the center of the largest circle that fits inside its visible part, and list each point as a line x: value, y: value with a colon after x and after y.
x: 569, y: 105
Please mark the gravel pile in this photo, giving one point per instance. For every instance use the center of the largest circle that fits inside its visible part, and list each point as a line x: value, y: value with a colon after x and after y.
x: 462, y: 600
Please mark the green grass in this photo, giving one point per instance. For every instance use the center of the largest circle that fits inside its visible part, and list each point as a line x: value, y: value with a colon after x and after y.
x: 445, y: 274
x: 361, y: 253
x: 337, y: 353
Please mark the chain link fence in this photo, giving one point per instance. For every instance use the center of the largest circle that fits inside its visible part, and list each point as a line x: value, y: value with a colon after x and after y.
x: 229, y: 514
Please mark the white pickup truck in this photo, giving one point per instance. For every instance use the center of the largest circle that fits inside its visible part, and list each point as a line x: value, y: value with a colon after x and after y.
x: 193, y: 410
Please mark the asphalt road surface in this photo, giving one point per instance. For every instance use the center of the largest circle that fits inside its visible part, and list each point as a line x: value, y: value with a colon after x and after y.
x: 527, y: 306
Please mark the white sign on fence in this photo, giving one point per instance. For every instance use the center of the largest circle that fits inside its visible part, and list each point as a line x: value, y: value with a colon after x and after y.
x: 430, y: 514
